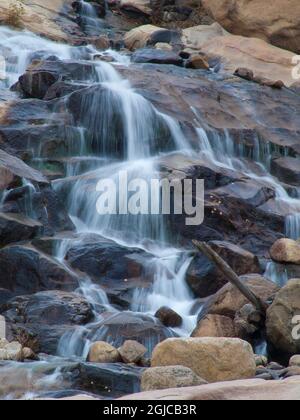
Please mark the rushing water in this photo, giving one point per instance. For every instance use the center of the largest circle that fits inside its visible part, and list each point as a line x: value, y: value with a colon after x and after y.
x: 117, y: 130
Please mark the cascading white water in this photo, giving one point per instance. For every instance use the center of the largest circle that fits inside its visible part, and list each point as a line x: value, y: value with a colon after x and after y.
x: 221, y: 151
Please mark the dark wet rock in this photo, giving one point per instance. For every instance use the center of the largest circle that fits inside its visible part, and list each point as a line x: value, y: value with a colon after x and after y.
x: 5, y: 296
x: 41, y: 75
x: 205, y: 279
x: 12, y: 170
x: 15, y: 228
x: 60, y: 89
x: 151, y: 55
x: 24, y: 270
x: 43, y: 205
x: 287, y: 169
x: 117, y: 269
x: 111, y: 380
x: 119, y: 327
x: 46, y: 140
x: 50, y: 308
x: 241, y: 261
x: 168, y: 317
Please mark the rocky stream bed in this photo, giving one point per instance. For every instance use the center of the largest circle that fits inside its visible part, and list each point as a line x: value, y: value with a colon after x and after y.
x: 159, y: 91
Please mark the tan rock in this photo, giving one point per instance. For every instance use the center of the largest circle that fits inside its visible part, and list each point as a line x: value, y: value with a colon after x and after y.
x: 213, y: 359
x: 28, y: 354
x: 138, y: 37
x: 286, y: 251
x: 196, y: 61
x: 163, y: 46
x: 215, y: 326
x: 132, y: 351
x: 261, y: 360
x: 42, y: 17
x: 246, y: 390
x: 142, y: 6
x: 277, y: 22
x: 228, y: 301
x: 10, y: 351
x: 295, y: 360
x: 101, y: 352
x: 267, y: 62
x: 169, y: 377
x: 280, y: 319
x: 196, y: 37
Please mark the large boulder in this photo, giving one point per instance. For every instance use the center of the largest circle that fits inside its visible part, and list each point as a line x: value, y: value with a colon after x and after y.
x: 281, y: 319
x: 24, y: 270
x: 15, y: 228
x: 41, y: 75
x: 277, y: 23
x: 228, y: 300
x: 215, y: 326
x: 50, y: 307
x: 213, y: 359
x: 286, y: 251
x: 244, y: 390
x: 169, y: 377
x: 117, y: 269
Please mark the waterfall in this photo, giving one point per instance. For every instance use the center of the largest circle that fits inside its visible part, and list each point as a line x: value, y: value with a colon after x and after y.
x: 114, y: 130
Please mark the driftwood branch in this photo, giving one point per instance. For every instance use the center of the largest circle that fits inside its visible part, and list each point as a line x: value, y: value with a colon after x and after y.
x: 232, y: 277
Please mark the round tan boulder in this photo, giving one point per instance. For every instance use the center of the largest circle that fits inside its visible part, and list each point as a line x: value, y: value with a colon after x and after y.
x: 295, y: 360
x: 213, y: 359
x: 282, y: 331
x: 169, y: 377
x: 286, y: 251
x: 101, y: 352
x: 215, y: 326
x: 132, y: 351
x: 138, y: 37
